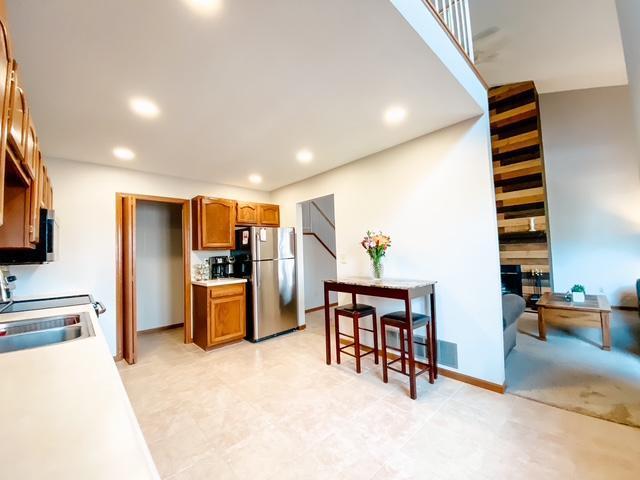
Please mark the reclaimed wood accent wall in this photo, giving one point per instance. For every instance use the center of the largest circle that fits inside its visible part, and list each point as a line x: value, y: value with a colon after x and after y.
x: 518, y: 172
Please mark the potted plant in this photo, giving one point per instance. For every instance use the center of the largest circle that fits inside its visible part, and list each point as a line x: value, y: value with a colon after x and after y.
x: 578, y: 293
x: 376, y: 245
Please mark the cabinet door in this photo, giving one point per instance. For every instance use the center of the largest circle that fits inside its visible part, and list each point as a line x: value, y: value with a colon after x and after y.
x: 227, y: 319
x: 42, y: 184
x: 247, y: 213
x: 31, y: 149
x: 5, y: 98
x: 36, y: 192
x: 218, y: 223
x: 17, y: 117
x: 269, y: 215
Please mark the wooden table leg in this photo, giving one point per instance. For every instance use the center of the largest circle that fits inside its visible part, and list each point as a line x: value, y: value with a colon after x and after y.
x: 327, y: 325
x: 605, y: 321
x: 434, y: 337
x: 542, y: 327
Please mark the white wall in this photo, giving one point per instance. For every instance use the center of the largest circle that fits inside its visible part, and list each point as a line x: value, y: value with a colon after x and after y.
x: 593, y: 191
x: 629, y: 16
x: 159, y: 268
x: 434, y: 196
x: 84, y: 200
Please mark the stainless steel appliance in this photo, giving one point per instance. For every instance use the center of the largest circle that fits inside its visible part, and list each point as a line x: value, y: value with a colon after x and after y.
x: 267, y: 258
x: 45, y: 249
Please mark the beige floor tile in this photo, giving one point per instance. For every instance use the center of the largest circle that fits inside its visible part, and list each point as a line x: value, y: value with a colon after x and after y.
x: 275, y: 410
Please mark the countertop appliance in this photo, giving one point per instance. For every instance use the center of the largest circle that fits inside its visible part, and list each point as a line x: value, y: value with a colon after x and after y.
x: 44, y: 251
x: 266, y: 257
x: 221, y: 266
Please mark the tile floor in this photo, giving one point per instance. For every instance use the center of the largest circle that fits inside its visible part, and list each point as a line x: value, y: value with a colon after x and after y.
x: 276, y: 411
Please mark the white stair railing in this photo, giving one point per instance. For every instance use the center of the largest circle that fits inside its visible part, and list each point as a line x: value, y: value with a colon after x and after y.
x: 455, y: 15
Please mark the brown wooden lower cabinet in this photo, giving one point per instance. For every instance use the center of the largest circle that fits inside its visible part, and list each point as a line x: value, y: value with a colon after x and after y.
x: 219, y: 315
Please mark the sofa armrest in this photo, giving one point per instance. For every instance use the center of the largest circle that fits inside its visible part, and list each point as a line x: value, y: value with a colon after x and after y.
x: 512, y: 307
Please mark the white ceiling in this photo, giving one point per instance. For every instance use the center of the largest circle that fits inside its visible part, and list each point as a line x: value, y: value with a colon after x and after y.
x: 240, y: 91
x: 561, y: 45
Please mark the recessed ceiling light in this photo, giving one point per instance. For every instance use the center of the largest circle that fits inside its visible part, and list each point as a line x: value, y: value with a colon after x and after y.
x: 255, y: 178
x: 144, y: 107
x: 304, y: 155
x: 204, y: 7
x: 123, y: 153
x: 395, y: 115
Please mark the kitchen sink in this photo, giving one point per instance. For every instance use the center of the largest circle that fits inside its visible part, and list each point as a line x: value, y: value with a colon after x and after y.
x: 26, y: 334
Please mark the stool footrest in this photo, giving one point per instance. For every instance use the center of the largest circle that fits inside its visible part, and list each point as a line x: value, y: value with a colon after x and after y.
x: 354, y: 355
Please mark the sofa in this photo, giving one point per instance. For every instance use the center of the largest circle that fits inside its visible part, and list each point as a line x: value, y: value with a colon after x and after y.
x: 512, y: 307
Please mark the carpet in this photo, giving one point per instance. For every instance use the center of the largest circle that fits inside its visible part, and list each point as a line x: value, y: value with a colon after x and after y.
x: 570, y: 371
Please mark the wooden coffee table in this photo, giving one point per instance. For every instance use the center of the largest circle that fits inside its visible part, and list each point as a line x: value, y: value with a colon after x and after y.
x: 593, y: 312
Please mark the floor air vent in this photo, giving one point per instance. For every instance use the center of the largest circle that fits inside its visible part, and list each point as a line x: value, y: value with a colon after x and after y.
x: 447, y: 351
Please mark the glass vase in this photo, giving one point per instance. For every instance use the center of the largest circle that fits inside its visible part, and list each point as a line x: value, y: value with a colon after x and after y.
x: 377, y: 269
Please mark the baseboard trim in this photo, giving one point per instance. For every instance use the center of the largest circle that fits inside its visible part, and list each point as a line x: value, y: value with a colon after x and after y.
x: 160, y: 329
x: 461, y: 377
x: 626, y: 308
x: 315, y: 309
x: 302, y: 327
x: 476, y: 382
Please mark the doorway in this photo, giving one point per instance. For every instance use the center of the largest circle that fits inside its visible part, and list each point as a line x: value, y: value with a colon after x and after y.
x: 319, y: 250
x: 153, y: 289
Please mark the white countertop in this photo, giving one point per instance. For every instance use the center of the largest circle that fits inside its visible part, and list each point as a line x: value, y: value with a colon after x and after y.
x: 218, y: 282
x: 65, y: 413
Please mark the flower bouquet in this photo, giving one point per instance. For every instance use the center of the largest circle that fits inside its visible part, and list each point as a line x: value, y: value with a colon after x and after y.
x: 376, y: 245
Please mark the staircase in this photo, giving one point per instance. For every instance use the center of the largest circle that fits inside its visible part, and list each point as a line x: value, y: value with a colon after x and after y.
x: 317, y: 224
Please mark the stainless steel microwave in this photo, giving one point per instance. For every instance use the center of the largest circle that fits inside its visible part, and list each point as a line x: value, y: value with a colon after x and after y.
x: 44, y: 251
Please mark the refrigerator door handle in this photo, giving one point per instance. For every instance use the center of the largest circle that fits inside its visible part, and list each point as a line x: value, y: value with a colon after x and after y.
x: 256, y: 273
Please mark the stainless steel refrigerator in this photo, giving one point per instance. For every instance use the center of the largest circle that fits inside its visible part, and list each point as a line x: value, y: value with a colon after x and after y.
x: 267, y: 258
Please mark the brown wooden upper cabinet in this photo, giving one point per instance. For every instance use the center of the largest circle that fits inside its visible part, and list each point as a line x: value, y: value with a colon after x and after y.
x: 214, y: 223
x: 17, y: 117
x: 5, y: 95
x: 247, y: 213
x: 25, y: 186
x: 258, y: 214
x: 268, y: 215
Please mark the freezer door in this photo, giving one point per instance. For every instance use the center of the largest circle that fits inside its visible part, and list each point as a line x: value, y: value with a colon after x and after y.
x: 272, y: 243
x: 275, y: 305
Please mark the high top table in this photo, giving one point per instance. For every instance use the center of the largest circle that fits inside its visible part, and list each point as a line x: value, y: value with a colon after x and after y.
x: 396, y: 289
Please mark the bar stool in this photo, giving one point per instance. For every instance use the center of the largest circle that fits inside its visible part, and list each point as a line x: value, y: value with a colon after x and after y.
x: 407, y: 357
x: 356, y: 311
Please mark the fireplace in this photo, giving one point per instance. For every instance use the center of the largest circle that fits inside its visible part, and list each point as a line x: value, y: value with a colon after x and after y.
x: 511, y: 276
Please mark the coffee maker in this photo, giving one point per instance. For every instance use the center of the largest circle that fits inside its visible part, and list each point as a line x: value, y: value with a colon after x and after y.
x: 221, y: 266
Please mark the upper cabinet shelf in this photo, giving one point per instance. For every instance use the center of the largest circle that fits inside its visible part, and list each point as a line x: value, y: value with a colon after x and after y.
x: 214, y: 220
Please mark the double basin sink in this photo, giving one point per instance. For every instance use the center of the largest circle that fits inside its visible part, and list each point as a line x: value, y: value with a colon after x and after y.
x: 34, y: 333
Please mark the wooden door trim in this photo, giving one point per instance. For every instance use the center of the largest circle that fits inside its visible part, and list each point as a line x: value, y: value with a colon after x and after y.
x: 186, y: 261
